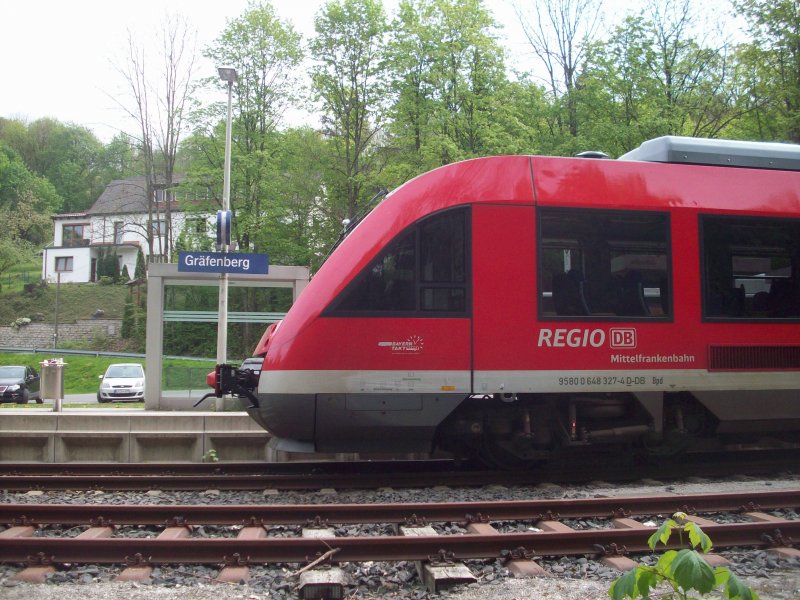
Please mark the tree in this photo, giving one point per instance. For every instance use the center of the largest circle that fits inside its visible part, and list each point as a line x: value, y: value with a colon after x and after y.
x: 20, y: 187
x: 448, y: 75
x: 159, y: 108
x: 266, y: 53
x: 120, y: 159
x: 653, y: 77
x: 298, y: 226
x: 347, y: 80
x: 9, y: 254
x: 25, y: 223
x: 691, y: 74
x: 560, y: 33
x: 139, y: 272
x: 770, y: 68
x: 68, y: 156
x: 26, y: 202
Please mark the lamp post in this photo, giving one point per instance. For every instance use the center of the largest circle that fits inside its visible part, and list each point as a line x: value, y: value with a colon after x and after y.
x: 229, y: 75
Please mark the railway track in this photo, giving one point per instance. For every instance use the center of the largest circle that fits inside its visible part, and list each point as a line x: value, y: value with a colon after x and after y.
x: 42, y: 537
x: 372, y: 473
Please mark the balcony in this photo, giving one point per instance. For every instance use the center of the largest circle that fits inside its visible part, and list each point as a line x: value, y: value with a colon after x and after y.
x: 76, y: 243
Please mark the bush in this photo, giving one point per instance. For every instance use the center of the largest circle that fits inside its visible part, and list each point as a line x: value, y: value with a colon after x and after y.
x: 682, y: 570
x: 21, y: 322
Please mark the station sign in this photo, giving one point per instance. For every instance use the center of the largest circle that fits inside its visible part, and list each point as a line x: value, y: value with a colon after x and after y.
x: 223, y: 262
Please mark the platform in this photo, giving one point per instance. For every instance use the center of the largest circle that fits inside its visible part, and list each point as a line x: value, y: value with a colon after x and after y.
x: 103, y: 435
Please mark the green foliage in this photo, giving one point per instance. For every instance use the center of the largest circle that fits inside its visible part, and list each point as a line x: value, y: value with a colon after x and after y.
x: 267, y: 55
x: 9, y: 255
x: 682, y: 571
x: 119, y: 159
x: 75, y: 301
x: 20, y: 322
x: 347, y: 79
x: 128, y: 320
x: 19, y: 186
x: 769, y: 71
x: 64, y: 155
x: 448, y: 76
x: 107, y: 267
x: 140, y: 273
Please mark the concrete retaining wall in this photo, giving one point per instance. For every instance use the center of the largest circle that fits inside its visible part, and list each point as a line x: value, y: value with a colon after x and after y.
x: 91, y: 435
x: 40, y: 335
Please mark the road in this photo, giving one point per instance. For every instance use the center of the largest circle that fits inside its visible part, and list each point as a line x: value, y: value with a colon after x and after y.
x: 189, y: 396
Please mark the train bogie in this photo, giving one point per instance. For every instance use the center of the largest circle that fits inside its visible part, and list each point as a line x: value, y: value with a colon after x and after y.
x: 511, y: 307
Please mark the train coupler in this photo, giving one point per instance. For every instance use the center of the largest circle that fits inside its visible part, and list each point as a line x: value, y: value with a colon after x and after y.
x: 227, y: 379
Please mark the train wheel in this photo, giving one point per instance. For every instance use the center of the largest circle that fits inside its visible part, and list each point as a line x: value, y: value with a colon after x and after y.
x: 496, y: 456
x: 673, y: 444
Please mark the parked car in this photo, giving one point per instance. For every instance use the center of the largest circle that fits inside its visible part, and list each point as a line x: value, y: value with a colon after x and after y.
x: 19, y: 384
x: 122, y: 382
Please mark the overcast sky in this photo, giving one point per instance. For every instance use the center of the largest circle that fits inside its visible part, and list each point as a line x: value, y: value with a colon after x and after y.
x: 59, y: 55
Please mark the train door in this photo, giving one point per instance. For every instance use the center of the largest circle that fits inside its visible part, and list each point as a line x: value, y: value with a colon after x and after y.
x: 504, y: 293
x: 407, y: 361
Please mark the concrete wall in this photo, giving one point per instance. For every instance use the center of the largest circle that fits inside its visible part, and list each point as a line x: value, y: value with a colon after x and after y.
x: 89, y: 435
x: 40, y: 335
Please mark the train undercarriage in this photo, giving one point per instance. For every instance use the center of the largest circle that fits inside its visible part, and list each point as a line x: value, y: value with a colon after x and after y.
x: 518, y: 431
x: 512, y: 431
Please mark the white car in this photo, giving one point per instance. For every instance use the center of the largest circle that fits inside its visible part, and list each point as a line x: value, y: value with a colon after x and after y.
x: 122, y: 382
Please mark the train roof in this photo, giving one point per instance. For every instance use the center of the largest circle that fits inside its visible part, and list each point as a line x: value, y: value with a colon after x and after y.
x: 721, y: 153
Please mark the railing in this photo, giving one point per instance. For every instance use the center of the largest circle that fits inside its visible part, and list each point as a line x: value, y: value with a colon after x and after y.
x: 77, y: 243
x: 94, y: 353
x: 212, y: 316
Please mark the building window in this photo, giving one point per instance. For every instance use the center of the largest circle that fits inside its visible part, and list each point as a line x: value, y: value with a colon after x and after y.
x: 158, y: 228
x: 162, y: 195
x: 423, y: 271
x: 119, y: 231
x: 198, y: 226
x: 603, y: 264
x: 751, y: 267
x: 63, y: 264
x: 72, y: 236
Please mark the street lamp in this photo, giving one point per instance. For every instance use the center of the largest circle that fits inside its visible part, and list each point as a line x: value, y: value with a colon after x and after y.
x: 229, y: 75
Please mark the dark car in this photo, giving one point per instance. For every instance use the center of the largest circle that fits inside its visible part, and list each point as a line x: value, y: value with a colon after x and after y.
x: 19, y: 384
x: 254, y: 364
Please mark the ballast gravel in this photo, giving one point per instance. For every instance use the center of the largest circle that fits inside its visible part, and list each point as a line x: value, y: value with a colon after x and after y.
x: 569, y: 578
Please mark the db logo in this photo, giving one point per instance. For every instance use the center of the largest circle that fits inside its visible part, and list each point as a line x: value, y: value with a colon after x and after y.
x: 623, y: 338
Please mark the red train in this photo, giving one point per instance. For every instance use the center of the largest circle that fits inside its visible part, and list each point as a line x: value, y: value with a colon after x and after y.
x: 512, y: 307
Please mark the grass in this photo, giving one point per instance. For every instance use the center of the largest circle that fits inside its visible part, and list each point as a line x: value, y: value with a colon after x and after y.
x: 13, y: 280
x: 81, y: 373
x: 72, y: 302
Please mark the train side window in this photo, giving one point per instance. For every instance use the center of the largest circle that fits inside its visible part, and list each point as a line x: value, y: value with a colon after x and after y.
x: 423, y: 271
x: 442, y: 265
x: 603, y: 264
x: 751, y: 267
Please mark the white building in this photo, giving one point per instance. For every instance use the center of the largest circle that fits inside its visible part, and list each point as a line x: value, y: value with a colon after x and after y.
x: 117, y: 223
